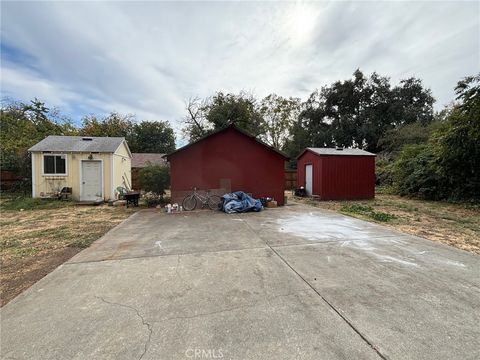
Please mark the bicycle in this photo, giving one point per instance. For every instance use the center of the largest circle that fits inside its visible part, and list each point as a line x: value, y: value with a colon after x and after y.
x: 190, y: 202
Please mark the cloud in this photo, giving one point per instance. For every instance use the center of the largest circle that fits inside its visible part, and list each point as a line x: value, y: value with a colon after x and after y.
x: 147, y: 58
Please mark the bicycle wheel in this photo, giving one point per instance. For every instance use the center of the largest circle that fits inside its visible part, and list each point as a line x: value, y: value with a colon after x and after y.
x: 214, y: 202
x: 189, y: 202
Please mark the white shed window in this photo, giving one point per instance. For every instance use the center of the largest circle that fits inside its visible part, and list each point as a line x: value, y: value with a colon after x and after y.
x: 54, y: 164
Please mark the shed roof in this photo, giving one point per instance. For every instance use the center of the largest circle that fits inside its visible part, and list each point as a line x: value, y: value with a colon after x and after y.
x: 234, y: 127
x: 140, y: 160
x: 78, y: 144
x: 335, y: 152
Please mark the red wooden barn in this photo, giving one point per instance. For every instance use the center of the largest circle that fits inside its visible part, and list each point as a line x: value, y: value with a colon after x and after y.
x: 337, y: 173
x: 228, y: 160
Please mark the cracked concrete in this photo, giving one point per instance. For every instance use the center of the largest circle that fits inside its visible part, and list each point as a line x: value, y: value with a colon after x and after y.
x: 251, y: 288
x: 149, y: 326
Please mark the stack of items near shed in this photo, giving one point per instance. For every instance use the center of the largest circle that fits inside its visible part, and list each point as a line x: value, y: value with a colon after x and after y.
x: 239, y: 202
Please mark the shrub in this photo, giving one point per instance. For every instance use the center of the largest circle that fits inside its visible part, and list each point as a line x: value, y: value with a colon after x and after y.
x: 446, y: 167
x: 151, y: 199
x: 415, y: 172
x: 383, y: 173
x: 155, y: 179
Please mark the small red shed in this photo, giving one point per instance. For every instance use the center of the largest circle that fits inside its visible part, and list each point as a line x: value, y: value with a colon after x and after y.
x: 337, y: 173
x: 228, y: 160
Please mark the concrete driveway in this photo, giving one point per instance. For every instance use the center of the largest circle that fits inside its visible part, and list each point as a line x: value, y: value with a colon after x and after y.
x: 288, y: 283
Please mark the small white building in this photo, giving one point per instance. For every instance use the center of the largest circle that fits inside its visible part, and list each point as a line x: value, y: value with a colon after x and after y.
x: 93, y: 167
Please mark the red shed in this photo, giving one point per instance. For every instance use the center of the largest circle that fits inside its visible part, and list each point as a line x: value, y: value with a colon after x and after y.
x: 337, y: 173
x: 228, y: 160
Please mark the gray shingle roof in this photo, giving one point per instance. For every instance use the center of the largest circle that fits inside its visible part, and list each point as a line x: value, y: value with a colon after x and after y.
x: 78, y: 144
x: 140, y: 160
x: 334, y: 151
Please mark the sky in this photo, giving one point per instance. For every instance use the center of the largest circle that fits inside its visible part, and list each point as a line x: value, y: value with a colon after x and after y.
x: 148, y: 58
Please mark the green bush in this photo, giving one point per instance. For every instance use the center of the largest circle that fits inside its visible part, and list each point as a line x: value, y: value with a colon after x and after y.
x: 383, y: 173
x: 447, y: 165
x: 415, y: 172
x: 155, y: 179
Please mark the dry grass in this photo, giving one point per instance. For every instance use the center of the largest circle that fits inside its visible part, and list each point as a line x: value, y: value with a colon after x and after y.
x: 34, y: 241
x: 453, y: 224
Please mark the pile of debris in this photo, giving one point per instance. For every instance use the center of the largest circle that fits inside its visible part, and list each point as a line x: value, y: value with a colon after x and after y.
x: 239, y: 202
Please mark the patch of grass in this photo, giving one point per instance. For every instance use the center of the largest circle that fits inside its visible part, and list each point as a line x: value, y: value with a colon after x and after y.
x: 84, y: 242
x: 381, y: 216
x: 44, y: 234
x: 9, y: 243
x: 20, y: 203
x: 24, y: 252
x: 367, y: 211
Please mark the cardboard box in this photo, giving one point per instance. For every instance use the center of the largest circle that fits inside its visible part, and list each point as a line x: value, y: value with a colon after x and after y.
x: 271, y: 204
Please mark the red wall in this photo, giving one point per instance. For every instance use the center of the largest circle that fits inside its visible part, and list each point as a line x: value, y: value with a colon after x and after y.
x: 339, y: 177
x: 250, y: 166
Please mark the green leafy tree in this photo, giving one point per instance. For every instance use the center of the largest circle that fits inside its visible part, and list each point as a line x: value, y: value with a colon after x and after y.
x: 312, y: 127
x: 114, y: 125
x: 457, y: 143
x: 152, y: 137
x: 412, y: 103
x: 357, y: 112
x: 22, y: 126
x: 241, y: 110
x: 278, y: 116
x: 407, y: 134
x: 220, y: 111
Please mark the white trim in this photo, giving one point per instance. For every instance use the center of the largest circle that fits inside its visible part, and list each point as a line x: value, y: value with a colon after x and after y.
x: 55, y: 154
x: 112, y: 173
x: 126, y: 145
x: 34, y: 175
x: 81, y: 177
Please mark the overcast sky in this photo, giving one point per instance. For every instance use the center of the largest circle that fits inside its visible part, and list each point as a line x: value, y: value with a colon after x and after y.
x: 147, y: 58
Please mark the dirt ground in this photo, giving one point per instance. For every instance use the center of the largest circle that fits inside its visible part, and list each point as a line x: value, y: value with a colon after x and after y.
x: 453, y: 224
x: 35, y: 241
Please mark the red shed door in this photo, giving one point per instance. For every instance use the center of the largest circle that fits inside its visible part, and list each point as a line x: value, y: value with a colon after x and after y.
x: 309, y: 179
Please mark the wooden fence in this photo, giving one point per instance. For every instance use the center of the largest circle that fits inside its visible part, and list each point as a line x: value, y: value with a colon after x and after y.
x: 290, y: 179
x: 8, y: 179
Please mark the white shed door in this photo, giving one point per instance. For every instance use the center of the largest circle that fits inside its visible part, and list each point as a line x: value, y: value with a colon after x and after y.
x: 91, y: 181
x: 308, y: 179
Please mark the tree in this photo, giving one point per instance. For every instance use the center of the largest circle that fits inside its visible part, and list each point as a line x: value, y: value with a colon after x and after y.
x: 241, y: 110
x: 357, y: 112
x: 220, y: 111
x: 457, y: 143
x: 312, y: 127
x: 196, y: 125
x: 412, y: 103
x: 114, y: 125
x: 395, y: 139
x: 152, y: 137
x: 278, y: 116
x: 22, y: 126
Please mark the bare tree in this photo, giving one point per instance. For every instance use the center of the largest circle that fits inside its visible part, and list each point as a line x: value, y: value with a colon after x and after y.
x: 195, y: 122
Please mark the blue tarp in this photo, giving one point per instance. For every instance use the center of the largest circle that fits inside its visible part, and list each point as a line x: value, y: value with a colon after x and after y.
x: 239, y: 201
